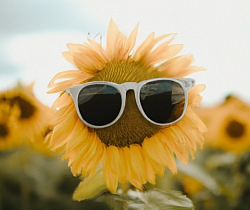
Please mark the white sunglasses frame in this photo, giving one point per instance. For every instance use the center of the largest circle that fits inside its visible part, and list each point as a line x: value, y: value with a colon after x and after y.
x: 185, y: 83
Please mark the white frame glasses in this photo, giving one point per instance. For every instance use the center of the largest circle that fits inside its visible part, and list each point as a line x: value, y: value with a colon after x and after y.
x: 185, y: 83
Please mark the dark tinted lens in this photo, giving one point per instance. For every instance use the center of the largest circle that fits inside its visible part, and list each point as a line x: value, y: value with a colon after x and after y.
x: 99, y: 104
x: 162, y: 101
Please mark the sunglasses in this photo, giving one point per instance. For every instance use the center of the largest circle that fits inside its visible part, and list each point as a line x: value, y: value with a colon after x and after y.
x: 162, y: 101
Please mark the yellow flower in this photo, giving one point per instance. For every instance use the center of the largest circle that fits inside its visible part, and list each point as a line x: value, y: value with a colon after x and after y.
x: 132, y: 149
x: 26, y: 118
x: 191, y: 185
x: 228, y: 125
x: 8, y: 133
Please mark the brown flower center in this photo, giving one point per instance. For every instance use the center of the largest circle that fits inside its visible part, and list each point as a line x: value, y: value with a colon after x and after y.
x: 3, y: 131
x: 235, y: 129
x: 132, y: 127
x: 26, y: 108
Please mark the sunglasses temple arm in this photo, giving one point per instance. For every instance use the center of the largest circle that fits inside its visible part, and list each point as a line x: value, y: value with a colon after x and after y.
x: 73, y: 91
x: 189, y: 83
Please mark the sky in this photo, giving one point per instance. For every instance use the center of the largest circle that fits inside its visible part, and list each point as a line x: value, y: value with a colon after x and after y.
x: 33, y: 34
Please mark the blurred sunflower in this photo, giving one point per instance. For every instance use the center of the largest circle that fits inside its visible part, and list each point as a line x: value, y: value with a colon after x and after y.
x: 191, y: 185
x: 228, y: 125
x: 8, y: 134
x: 132, y: 149
x: 26, y: 118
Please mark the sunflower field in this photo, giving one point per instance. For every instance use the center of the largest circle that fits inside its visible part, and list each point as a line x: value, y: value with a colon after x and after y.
x: 64, y: 157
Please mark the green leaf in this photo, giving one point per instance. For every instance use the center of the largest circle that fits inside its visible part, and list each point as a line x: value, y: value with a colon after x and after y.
x: 157, y: 199
x: 115, y: 202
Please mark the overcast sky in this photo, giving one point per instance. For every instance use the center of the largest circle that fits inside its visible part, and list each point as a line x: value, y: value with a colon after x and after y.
x: 34, y: 33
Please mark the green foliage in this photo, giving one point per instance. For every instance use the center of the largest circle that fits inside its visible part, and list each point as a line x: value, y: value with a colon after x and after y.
x: 149, y: 200
x: 158, y: 199
x: 113, y: 201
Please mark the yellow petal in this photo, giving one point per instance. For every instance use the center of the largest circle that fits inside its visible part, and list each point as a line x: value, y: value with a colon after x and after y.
x: 62, y: 114
x: 195, y: 101
x: 98, y: 48
x: 69, y: 82
x: 187, y: 71
x: 76, y: 142
x: 151, y: 149
x: 60, y: 133
x: 158, y: 168
x: 124, y: 172
x: 98, y: 159
x: 90, y: 187
x: 111, y: 179
x: 137, y: 161
x: 164, y: 53
x: 144, y: 48
x: 30, y: 87
x: 195, y: 90
x: 48, y: 137
x: 77, y: 48
x: 69, y: 57
x: 191, y: 143
x: 191, y: 115
x: 63, y: 100
x: 175, y: 67
x: 173, y: 142
x: 85, y: 155
x: 149, y: 169
x: 64, y: 87
x: 111, y: 38
x: 192, y: 133
x: 193, y: 95
x: 156, y: 150
x: 58, y: 123
x: 159, y: 38
x: 60, y: 150
x: 166, y: 154
x: 132, y: 38
x: 161, y: 48
x: 113, y: 159
x: 121, y: 47
x: 68, y: 75
x: 133, y: 176
x: 88, y: 51
x: 77, y: 154
x: 88, y: 63
x: 79, y: 134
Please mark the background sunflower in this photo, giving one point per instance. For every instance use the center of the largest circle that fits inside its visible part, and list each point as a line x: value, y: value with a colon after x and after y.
x: 228, y: 125
x: 24, y: 119
x: 8, y: 136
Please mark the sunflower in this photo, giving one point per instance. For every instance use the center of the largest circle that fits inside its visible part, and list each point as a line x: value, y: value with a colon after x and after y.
x: 228, y: 124
x: 191, y: 185
x: 26, y: 118
x: 131, y: 150
x: 8, y: 134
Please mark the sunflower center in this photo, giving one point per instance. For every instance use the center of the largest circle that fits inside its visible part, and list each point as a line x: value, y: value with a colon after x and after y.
x: 3, y: 131
x: 235, y: 129
x: 132, y: 127
x: 26, y: 108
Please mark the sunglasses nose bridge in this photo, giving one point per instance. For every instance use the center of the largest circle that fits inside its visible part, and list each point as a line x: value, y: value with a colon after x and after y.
x: 129, y: 85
